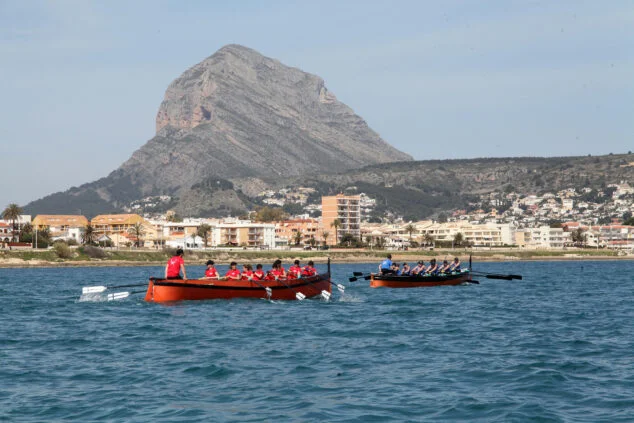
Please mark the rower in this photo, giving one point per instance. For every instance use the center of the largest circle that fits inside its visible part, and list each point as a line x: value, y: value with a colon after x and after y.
x: 455, y: 266
x: 385, y: 267
x: 258, y: 275
x: 295, y: 270
x: 406, y: 270
x: 309, y: 269
x: 210, y: 272
x: 175, y: 265
x: 233, y: 273
x: 433, y: 267
x: 419, y: 269
x: 445, y: 267
x: 247, y: 272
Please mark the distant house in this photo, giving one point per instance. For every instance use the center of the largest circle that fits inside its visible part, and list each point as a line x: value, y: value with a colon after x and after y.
x: 61, y: 226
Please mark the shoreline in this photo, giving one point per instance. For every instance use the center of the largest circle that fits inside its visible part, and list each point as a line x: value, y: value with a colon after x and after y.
x: 224, y: 258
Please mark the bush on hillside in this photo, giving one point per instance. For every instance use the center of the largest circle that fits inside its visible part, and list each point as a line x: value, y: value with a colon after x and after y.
x: 94, y: 252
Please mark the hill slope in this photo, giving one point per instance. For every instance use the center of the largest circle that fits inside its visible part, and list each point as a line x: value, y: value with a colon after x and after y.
x: 235, y: 115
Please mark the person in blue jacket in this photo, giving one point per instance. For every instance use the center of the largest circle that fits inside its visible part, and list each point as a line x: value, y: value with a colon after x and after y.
x: 385, y: 267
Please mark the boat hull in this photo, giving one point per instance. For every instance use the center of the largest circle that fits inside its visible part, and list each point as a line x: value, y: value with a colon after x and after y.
x: 392, y: 281
x: 162, y: 290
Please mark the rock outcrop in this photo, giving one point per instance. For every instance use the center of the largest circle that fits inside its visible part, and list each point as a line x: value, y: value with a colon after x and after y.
x: 238, y: 115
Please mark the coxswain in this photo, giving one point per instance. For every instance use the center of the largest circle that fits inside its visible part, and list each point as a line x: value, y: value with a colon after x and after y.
x: 309, y: 269
x: 258, y: 274
x: 211, y: 272
x: 247, y: 272
x: 385, y: 267
x: 233, y: 273
x: 455, y: 266
x: 295, y: 270
x: 175, y: 266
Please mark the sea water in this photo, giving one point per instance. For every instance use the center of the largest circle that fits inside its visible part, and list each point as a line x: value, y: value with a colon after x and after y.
x: 555, y: 346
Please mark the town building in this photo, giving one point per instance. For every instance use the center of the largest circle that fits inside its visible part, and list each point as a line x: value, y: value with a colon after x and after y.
x: 309, y: 229
x: 61, y: 226
x: 344, y: 208
x: 118, y: 230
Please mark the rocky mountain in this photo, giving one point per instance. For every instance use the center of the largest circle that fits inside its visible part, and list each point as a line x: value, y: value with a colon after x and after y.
x: 239, y: 116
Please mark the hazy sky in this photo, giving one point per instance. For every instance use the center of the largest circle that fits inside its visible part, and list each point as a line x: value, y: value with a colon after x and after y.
x: 81, y: 81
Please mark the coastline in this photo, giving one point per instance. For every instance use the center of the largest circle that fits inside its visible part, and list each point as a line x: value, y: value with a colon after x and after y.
x: 156, y: 258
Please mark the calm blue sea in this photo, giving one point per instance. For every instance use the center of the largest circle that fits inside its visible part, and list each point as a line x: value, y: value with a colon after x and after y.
x: 556, y: 346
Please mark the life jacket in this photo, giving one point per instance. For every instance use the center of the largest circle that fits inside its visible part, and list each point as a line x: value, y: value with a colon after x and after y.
x: 258, y: 275
x: 247, y: 274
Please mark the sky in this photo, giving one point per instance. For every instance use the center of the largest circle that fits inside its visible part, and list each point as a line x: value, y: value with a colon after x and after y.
x: 81, y: 81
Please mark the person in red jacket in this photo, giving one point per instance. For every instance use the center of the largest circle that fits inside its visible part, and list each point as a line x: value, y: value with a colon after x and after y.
x: 175, y: 265
x: 247, y: 272
x: 277, y: 272
x: 309, y: 269
x: 233, y: 273
x: 258, y: 275
x: 211, y: 272
x: 295, y: 270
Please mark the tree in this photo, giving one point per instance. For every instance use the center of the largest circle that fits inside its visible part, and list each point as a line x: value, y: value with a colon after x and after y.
x: 12, y: 213
x: 88, y: 235
x: 325, y: 235
x: 269, y: 214
x: 297, y: 237
x: 579, y: 238
x: 349, y: 239
x: 410, y: 229
x: 442, y: 217
x: 380, y: 243
x: 137, y: 231
x: 429, y: 239
x: 336, y: 224
x: 204, y: 231
x: 458, y: 239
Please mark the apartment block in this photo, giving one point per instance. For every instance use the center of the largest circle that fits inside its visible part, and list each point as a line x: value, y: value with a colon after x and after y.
x: 345, y: 208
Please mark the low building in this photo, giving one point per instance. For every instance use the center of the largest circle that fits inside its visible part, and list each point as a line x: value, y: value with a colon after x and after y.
x: 61, y: 226
x: 120, y: 229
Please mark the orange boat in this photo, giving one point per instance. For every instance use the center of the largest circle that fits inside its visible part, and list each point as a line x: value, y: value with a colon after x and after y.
x: 393, y: 281
x: 166, y: 290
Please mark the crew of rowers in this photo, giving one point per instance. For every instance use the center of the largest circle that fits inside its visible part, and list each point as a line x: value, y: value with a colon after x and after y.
x: 176, y: 266
x: 277, y: 271
x: 387, y: 267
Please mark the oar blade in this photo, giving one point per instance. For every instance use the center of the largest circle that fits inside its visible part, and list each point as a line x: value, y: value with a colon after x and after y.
x: 358, y: 273
x: 476, y: 282
x: 516, y: 277
x: 93, y: 289
x: 118, y: 296
x: 325, y: 295
x: 341, y: 288
x: 300, y: 296
x: 503, y: 277
x: 367, y: 277
x: 269, y: 291
x: 353, y: 279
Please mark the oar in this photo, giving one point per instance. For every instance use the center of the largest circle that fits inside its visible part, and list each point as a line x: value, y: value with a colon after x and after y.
x: 498, y: 276
x: 324, y: 294
x: 356, y: 276
x: 358, y: 273
x: 269, y: 291
x: 121, y: 295
x: 98, y: 289
x: 298, y: 295
x: 339, y: 286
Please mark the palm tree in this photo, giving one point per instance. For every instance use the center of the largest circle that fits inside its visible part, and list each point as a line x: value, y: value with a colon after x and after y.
x: 88, y: 235
x: 336, y: 224
x: 204, y: 231
x: 12, y: 213
x: 137, y: 231
x: 297, y: 237
x: 325, y: 235
x: 410, y: 229
x: 429, y: 239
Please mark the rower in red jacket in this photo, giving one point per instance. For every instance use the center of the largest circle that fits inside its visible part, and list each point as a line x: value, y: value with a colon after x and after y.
x: 295, y: 270
x: 233, y: 273
x: 309, y: 269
